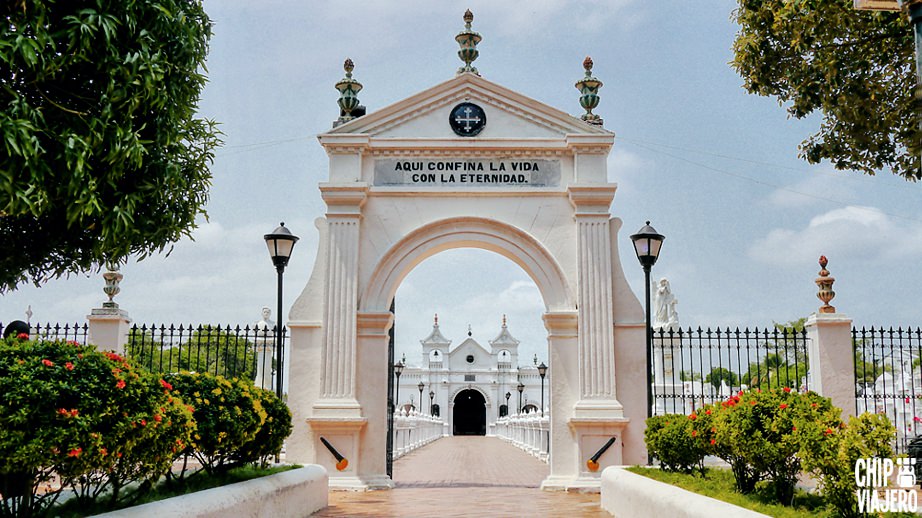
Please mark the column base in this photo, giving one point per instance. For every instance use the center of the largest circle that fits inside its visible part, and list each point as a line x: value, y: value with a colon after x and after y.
x: 337, y: 409
x: 610, y: 409
x: 355, y: 483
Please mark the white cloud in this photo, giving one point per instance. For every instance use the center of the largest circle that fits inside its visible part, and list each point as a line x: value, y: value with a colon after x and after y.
x: 853, y: 231
x: 834, y: 186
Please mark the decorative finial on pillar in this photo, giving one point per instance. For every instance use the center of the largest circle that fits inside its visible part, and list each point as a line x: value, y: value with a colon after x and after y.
x: 589, y: 89
x: 348, y: 94
x: 504, y: 320
x: 112, y: 277
x: 825, y: 281
x: 468, y: 40
x: 469, y: 333
x: 436, y: 323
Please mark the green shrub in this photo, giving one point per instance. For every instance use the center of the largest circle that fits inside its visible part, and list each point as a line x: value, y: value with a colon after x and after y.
x: 705, y: 425
x: 272, y: 434
x: 764, y: 430
x: 829, y: 454
x: 76, y: 413
x: 671, y: 439
x: 227, y: 413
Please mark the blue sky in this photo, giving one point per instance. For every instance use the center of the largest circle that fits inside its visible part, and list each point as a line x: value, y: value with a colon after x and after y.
x: 714, y: 168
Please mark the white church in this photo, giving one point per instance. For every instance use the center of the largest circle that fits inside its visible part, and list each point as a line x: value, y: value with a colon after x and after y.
x: 470, y: 385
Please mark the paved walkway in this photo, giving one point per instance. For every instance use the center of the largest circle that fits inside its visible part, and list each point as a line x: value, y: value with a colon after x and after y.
x: 466, y: 477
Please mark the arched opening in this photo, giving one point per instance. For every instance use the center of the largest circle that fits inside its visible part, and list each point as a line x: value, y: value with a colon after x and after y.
x: 470, y: 413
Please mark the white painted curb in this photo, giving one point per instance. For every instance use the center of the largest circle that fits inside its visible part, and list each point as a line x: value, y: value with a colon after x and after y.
x: 298, y: 492
x: 626, y: 494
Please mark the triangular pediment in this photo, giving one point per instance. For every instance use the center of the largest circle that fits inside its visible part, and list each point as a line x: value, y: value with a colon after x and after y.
x: 469, y: 346
x: 508, y: 115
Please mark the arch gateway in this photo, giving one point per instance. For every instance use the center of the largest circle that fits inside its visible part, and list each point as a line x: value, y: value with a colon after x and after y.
x: 466, y: 164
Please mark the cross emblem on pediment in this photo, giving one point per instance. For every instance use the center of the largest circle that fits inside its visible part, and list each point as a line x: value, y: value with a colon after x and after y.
x: 467, y: 119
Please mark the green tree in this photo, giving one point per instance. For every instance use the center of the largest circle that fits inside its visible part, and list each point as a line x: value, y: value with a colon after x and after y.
x: 102, y: 155
x: 689, y: 376
x: 854, y: 68
x: 719, y: 374
x: 209, y: 349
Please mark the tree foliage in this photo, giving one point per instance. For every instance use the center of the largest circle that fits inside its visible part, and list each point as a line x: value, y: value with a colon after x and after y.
x: 101, y: 153
x: 855, y: 68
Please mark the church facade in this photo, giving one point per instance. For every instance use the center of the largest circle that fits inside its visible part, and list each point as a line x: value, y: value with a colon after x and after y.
x: 471, y: 384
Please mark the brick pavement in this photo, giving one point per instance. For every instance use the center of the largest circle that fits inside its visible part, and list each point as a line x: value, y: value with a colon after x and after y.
x: 465, y: 477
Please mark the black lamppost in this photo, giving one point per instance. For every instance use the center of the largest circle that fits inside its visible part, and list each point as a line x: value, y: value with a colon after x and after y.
x: 647, y: 243
x: 520, y: 388
x: 280, y: 243
x: 431, y: 397
x: 421, y: 385
x: 542, y: 371
x: 508, y: 395
x: 398, y: 370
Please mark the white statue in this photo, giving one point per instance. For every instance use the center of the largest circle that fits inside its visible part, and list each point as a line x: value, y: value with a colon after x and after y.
x: 665, y: 315
x: 266, y: 322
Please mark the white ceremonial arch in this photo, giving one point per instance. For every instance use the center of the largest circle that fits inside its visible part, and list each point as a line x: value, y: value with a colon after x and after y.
x: 403, y: 186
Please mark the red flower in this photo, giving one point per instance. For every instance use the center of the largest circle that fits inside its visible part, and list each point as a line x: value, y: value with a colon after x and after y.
x: 794, y: 428
x: 189, y: 408
x: 143, y: 422
x: 813, y: 405
x: 693, y: 417
x: 916, y: 419
x: 166, y: 385
x: 713, y: 442
x: 73, y: 342
x: 48, y: 363
x: 63, y: 411
x: 708, y: 411
x: 75, y: 452
x: 787, y: 389
x: 158, y: 418
x: 752, y: 403
x: 829, y: 431
x: 69, y: 366
x: 782, y: 406
x: 114, y: 357
x: 694, y: 433
x: 103, y: 451
x: 120, y: 384
x: 23, y: 336
x: 907, y: 399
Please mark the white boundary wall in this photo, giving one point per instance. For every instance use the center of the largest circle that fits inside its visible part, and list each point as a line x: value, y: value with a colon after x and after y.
x: 626, y: 494
x: 299, y: 492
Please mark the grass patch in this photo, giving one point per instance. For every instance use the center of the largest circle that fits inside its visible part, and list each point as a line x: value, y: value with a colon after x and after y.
x: 163, y: 490
x: 718, y: 483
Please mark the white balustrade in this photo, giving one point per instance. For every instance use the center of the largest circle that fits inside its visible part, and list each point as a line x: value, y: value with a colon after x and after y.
x: 529, y: 431
x: 414, y: 430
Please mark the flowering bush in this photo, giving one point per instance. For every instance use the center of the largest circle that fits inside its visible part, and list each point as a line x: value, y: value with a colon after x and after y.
x: 764, y: 429
x: 670, y: 439
x: 71, y: 411
x: 830, y: 454
x: 228, y: 414
x: 704, y: 428
x: 271, y: 435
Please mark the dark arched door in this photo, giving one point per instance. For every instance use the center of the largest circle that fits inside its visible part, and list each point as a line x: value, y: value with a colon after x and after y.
x: 470, y: 413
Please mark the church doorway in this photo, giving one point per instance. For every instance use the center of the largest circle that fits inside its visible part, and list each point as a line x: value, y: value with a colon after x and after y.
x: 470, y: 413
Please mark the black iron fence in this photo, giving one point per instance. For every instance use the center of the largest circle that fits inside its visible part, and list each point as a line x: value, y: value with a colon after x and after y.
x: 888, y: 378
x: 234, y: 352
x: 696, y: 367
x: 57, y: 331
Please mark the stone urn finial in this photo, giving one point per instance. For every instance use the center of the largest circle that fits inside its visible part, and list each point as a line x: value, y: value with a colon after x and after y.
x: 589, y: 98
x: 468, y: 40
x: 112, y: 277
x: 348, y: 94
x: 825, y: 282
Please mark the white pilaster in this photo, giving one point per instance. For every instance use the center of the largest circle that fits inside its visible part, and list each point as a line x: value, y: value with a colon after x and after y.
x: 596, y: 344
x: 338, y: 372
